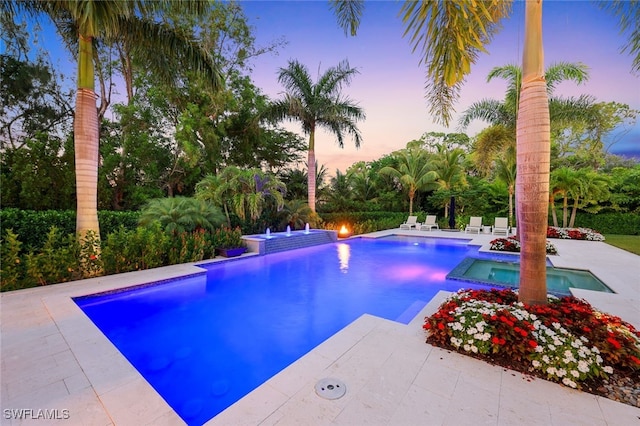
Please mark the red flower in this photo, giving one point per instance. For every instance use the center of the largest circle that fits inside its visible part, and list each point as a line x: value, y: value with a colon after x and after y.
x: 440, y: 326
x: 634, y: 359
x: 495, y: 340
x: 533, y: 343
x: 427, y: 326
x: 614, y: 342
x: 93, y: 257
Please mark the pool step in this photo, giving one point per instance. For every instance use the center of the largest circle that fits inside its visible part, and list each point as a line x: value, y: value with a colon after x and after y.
x: 411, y: 312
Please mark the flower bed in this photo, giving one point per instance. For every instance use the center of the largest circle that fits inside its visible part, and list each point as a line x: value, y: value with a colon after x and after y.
x: 513, y: 244
x: 574, y: 234
x: 565, y: 341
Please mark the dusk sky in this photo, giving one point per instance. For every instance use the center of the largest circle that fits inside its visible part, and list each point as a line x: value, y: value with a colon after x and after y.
x: 390, y: 86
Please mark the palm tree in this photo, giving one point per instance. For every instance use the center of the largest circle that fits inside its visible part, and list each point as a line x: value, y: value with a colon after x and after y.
x: 245, y: 190
x: 113, y: 20
x: 501, y: 134
x: 592, y: 187
x: 448, y: 164
x: 506, y: 172
x: 318, y: 104
x: 449, y: 36
x: 414, y: 172
x: 565, y: 181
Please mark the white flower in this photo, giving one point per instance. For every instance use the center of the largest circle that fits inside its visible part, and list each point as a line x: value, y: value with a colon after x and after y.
x: 575, y: 374
x: 536, y: 363
x: 545, y: 358
x: 569, y: 382
x: 583, y: 367
x: 607, y: 369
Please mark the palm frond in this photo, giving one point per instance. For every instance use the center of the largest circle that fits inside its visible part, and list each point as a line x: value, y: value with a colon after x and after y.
x: 348, y: 13
x: 449, y: 36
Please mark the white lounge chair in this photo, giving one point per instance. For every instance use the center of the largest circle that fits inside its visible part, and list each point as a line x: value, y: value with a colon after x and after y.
x: 429, y: 223
x: 475, y: 224
x: 410, y: 223
x: 501, y: 226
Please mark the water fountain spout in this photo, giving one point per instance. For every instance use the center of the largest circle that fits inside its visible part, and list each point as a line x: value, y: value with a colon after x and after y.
x: 288, y: 230
x: 268, y: 232
x: 306, y: 228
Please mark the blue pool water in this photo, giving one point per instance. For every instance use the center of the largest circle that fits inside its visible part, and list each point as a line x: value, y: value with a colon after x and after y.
x: 205, y: 341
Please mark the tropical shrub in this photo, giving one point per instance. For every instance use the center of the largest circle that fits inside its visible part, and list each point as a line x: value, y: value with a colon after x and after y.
x: 11, y: 265
x: 566, y: 341
x: 190, y: 247
x: 56, y: 262
x: 226, y: 238
x: 132, y: 250
x: 181, y: 214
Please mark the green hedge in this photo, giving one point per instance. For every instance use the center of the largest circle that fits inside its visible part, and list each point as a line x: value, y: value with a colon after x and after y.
x: 32, y: 226
x: 61, y: 256
x: 610, y: 223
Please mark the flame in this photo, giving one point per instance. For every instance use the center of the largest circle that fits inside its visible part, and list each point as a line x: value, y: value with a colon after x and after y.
x: 344, y: 230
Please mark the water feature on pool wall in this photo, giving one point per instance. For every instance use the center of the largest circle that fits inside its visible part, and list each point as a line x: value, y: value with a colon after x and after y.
x: 274, y: 242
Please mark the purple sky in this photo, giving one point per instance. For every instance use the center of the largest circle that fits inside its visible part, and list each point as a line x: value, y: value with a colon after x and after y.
x: 390, y: 84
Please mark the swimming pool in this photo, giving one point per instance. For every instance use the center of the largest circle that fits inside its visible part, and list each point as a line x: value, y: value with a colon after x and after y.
x: 205, y: 341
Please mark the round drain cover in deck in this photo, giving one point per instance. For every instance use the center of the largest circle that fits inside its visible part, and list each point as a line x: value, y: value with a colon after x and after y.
x: 330, y: 388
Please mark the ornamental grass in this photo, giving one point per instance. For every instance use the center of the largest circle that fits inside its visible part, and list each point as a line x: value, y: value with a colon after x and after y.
x: 565, y: 341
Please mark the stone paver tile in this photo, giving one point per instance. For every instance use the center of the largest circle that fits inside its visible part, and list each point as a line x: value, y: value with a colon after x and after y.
x: 307, y: 408
x: 252, y: 409
x: 618, y: 413
x: 385, y: 388
x: 135, y: 403
x: 45, y: 396
x: 420, y: 407
x: 304, y: 370
x: 438, y: 379
x: 167, y: 419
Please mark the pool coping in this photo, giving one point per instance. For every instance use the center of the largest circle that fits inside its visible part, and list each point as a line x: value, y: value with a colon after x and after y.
x: 54, y: 357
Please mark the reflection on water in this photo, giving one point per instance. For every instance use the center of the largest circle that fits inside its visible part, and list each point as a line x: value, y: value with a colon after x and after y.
x: 344, y: 253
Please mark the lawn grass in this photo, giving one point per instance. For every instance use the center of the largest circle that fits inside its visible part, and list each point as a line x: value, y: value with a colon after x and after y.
x: 626, y: 242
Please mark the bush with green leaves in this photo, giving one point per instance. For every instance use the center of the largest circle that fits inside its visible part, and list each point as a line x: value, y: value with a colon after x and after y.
x: 11, y: 264
x: 190, y: 247
x: 142, y: 248
x: 226, y: 238
x: 56, y: 262
x: 182, y: 214
x: 33, y: 226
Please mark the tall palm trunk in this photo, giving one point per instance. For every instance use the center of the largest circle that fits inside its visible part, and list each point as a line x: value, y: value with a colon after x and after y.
x: 86, y: 135
x: 533, y: 158
x: 552, y: 207
x: 511, y: 191
x: 311, y: 172
x: 574, y: 211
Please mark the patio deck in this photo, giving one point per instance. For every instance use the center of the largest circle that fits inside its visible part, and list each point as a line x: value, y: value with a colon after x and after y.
x: 55, y: 358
